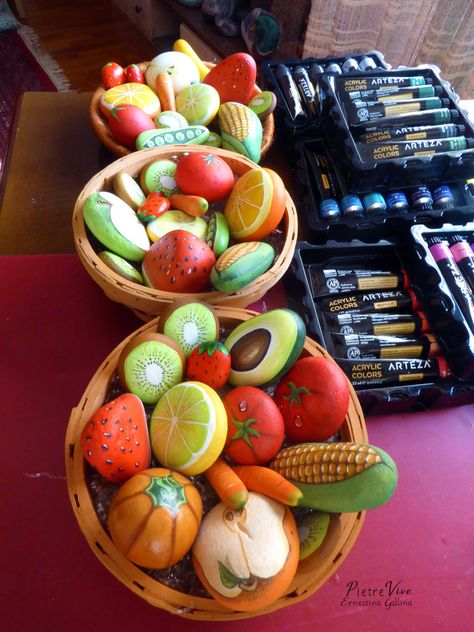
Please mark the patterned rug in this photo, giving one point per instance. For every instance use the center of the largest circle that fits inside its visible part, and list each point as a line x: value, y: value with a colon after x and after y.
x: 24, y: 68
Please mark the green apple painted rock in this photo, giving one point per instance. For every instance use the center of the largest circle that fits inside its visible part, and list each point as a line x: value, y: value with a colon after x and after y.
x: 120, y: 266
x: 190, y: 135
x: 241, y: 130
x: 263, y: 348
x: 116, y: 225
x: 241, y: 264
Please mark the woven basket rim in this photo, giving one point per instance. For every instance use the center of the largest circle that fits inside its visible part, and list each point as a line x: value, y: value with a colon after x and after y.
x: 112, y: 283
x: 307, y: 581
x: 101, y: 129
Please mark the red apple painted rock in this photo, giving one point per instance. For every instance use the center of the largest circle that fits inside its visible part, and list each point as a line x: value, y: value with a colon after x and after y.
x: 234, y: 78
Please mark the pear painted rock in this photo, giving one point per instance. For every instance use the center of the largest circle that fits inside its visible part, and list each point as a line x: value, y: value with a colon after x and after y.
x: 241, y: 130
x: 116, y: 225
x: 234, y: 78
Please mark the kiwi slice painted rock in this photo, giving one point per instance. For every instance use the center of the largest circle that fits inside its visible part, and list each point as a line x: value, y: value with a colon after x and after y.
x: 128, y: 190
x: 149, y: 365
x: 263, y: 104
x: 158, y: 175
x: 170, y: 120
x: 241, y: 264
x: 311, y: 531
x: 217, y: 237
x: 120, y: 266
x: 176, y: 220
x: 189, y: 323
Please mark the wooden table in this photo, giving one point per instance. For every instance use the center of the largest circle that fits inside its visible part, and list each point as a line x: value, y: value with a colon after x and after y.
x: 52, y: 154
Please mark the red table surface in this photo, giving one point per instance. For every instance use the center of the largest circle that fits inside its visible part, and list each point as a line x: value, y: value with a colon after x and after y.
x: 56, y: 328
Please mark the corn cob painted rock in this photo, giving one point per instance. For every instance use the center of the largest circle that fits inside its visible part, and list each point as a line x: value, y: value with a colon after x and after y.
x: 241, y: 130
x: 338, y: 477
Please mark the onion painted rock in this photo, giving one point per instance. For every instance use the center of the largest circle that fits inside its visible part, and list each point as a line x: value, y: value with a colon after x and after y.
x: 241, y: 264
x: 241, y: 130
x: 115, y: 225
x: 181, y: 68
x: 234, y: 78
x: 263, y: 348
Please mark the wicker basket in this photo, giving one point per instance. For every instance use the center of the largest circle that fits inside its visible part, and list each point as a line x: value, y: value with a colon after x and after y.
x: 146, y: 302
x: 101, y: 128
x: 312, y: 572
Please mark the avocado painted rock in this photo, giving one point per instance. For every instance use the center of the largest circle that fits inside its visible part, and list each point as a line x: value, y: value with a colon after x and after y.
x: 115, y: 225
x: 190, y: 135
x: 241, y: 264
x: 339, y: 477
x: 120, y: 266
x: 264, y: 347
x: 241, y: 130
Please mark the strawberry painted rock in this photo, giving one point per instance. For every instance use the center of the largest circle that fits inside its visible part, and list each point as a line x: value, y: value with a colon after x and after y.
x: 234, y: 78
x: 115, y: 440
x: 209, y: 363
x: 155, y: 205
x: 178, y: 262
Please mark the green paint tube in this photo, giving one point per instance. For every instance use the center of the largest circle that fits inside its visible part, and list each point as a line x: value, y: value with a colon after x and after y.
x: 362, y: 111
x: 428, y: 117
x: 411, y: 148
x: 351, y: 84
x: 393, y: 93
x: 420, y: 132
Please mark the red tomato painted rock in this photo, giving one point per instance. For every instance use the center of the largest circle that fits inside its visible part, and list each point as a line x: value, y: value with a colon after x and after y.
x: 112, y: 74
x: 234, y: 78
x: 313, y: 398
x: 179, y: 262
x: 204, y: 174
x: 209, y: 363
x: 126, y: 121
x: 255, y: 426
x: 133, y: 74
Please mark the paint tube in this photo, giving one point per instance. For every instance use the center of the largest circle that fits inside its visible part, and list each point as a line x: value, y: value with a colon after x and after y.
x: 377, y: 324
x: 411, y: 148
x: 306, y: 90
x: 290, y: 92
x: 327, y: 184
x: 366, y: 302
x: 457, y: 285
x: 369, y: 347
x: 427, y: 117
x: 393, y: 93
x: 413, y: 133
x: 352, y: 84
x: 394, y: 372
x: 463, y: 256
x: 364, y: 111
x: 326, y: 281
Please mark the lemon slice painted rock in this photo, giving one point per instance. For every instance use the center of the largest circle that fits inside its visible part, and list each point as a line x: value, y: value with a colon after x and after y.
x: 198, y: 103
x: 188, y: 428
x: 134, y: 93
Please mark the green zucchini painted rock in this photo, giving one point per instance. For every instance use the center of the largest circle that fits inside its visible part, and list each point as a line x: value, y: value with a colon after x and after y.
x: 241, y: 130
x: 191, y: 135
x: 116, y: 225
x: 241, y: 264
x: 263, y: 348
x: 339, y: 477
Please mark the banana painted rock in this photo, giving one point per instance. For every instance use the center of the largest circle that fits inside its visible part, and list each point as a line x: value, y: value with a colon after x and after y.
x: 338, y: 477
x: 241, y: 129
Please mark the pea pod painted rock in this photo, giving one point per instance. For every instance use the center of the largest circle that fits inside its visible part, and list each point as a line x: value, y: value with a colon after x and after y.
x: 191, y: 135
x: 338, y: 477
x: 240, y: 264
x: 241, y: 130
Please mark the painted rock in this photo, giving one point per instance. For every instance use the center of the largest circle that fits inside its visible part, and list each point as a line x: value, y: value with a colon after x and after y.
x: 204, y: 174
x: 264, y: 347
x: 209, y: 363
x: 176, y: 220
x: 158, y: 175
x: 359, y: 477
x: 115, y: 225
x: 133, y: 93
x: 241, y: 264
x: 198, y: 103
x: 217, y: 236
x: 256, y: 205
x: 190, y: 135
x: 170, y: 120
x: 181, y: 68
x: 241, y: 130
x: 247, y: 558
x: 214, y: 140
x: 154, y: 518
x: 155, y: 205
x: 120, y: 266
x: 263, y: 104
x: 128, y: 189
x: 234, y: 78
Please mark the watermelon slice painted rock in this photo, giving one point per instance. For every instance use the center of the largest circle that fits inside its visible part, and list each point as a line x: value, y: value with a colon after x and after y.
x: 234, y: 78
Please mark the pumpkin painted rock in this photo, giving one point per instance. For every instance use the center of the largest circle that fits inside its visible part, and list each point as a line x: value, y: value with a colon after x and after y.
x: 154, y: 518
x: 264, y: 347
x: 241, y: 130
x: 234, y: 78
x: 241, y: 264
x: 247, y: 558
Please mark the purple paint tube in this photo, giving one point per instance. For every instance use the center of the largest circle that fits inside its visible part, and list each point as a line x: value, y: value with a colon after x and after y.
x: 458, y: 286
x: 463, y: 256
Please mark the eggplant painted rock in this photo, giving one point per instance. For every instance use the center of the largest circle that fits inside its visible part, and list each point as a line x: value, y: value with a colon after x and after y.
x: 338, y: 477
x: 116, y: 225
x: 263, y: 348
x: 241, y: 264
x: 241, y: 130
x: 190, y: 135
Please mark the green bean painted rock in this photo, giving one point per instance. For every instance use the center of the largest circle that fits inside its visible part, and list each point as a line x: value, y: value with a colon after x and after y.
x: 191, y: 135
